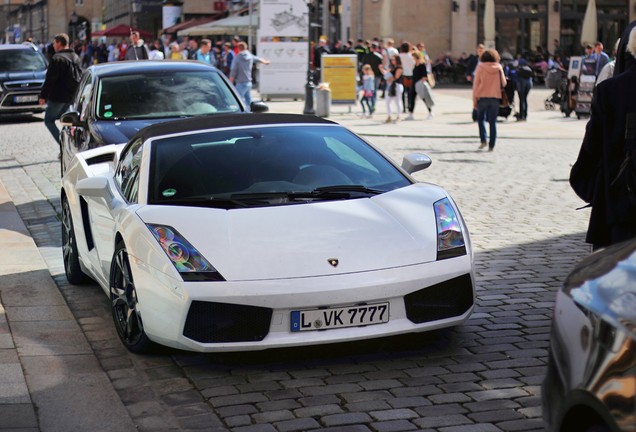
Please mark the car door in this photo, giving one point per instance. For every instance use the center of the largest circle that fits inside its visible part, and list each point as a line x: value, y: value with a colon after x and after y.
x: 75, y: 138
x: 104, y: 214
x: 84, y: 106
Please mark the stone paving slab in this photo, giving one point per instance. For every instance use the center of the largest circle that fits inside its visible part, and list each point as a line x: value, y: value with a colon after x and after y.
x: 72, y: 394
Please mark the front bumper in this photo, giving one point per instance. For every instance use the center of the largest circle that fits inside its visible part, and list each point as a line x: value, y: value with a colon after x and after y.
x: 257, y: 314
x: 18, y: 99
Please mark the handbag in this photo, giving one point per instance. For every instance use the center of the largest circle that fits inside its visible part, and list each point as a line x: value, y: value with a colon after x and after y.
x: 423, y: 90
x: 430, y: 77
x: 505, y: 103
x: 392, y: 89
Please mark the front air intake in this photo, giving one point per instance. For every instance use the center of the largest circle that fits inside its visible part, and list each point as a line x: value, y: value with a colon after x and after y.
x: 448, y: 299
x: 210, y: 322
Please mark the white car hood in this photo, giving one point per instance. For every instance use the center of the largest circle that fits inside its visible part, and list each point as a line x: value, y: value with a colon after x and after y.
x: 389, y: 230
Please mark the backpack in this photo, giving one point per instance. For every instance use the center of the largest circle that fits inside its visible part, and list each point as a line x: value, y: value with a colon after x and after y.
x: 623, y: 186
x: 75, y: 69
x: 525, y: 72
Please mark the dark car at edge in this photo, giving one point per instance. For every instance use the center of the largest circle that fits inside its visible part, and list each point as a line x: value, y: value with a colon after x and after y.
x: 590, y: 384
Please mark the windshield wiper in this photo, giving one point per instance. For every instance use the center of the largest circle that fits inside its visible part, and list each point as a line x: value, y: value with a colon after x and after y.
x: 322, y: 193
x: 347, y: 189
x: 207, y: 201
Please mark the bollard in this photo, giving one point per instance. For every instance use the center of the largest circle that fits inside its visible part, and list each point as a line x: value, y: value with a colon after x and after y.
x: 323, y: 100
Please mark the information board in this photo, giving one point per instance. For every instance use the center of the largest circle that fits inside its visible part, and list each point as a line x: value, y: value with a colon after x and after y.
x: 282, y: 39
x: 341, y: 72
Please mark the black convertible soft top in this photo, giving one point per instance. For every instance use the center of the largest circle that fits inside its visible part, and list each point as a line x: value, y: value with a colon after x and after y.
x: 225, y: 120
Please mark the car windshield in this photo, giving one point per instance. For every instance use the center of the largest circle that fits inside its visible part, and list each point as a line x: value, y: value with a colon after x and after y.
x: 164, y: 94
x: 268, y: 165
x: 21, y: 60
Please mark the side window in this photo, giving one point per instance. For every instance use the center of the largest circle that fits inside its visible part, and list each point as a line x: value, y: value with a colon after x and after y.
x: 84, y: 96
x: 127, y: 172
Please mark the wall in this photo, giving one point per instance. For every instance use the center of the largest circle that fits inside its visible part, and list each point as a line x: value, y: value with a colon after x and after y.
x: 427, y: 21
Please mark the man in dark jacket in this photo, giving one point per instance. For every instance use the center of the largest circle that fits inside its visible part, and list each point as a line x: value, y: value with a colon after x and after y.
x: 137, y: 49
x: 62, y: 79
x: 596, y: 177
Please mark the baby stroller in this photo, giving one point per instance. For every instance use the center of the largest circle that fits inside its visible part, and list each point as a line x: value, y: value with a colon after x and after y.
x: 505, y: 111
x: 556, y: 79
x: 570, y: 91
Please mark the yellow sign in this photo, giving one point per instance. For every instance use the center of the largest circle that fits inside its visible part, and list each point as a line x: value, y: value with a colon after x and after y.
x: 340, y: 71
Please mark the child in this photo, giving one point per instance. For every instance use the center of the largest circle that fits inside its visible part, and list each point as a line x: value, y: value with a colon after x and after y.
x: 368, y: 90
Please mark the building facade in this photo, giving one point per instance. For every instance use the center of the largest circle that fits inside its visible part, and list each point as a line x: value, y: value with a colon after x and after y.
x: 457, y: 26
x: 445, y: 26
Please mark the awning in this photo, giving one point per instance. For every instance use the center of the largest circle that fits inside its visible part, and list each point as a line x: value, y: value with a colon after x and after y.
x: 173, y: 29
x: 122, y: 30
x: 238, y: 24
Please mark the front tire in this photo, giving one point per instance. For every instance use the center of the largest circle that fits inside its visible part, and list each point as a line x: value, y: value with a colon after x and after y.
x: 70, y: 255
x: 125, y: 304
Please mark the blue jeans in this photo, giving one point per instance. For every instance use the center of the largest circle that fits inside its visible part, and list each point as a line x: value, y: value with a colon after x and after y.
x: 487, y: 110
x: 244, y: 90
x: 54, y: 111
x: 369, y: 102
x: 523, y: 88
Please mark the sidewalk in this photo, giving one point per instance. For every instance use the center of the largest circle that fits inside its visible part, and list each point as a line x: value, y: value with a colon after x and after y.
x: 50, y: 379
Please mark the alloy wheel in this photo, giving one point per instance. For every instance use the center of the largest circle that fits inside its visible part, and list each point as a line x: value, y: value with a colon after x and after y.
x: 125, y: 303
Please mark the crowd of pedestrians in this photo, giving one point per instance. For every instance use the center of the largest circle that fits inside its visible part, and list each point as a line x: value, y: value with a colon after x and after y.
x: 385, y: 71
x: 219, y: 53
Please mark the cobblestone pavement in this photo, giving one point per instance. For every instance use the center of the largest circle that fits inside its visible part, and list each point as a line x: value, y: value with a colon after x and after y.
x: 482, y: 376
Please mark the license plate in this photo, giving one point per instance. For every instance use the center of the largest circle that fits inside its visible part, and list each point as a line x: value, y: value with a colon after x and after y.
x: 23, y: 99
x: 332, y: 318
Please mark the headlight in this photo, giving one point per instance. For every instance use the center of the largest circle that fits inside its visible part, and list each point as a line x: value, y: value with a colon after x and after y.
x: 186, y: 259
x: 450, y: 241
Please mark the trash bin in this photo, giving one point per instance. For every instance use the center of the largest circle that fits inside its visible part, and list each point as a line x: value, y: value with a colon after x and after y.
x: 323, y: 100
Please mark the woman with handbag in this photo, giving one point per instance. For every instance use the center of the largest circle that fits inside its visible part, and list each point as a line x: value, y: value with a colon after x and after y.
x: 487, y: 94
x: 394, y: 87
x: 420, y: 76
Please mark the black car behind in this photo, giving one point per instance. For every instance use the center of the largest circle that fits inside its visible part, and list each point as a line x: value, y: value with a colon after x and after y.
x: 115, y: 100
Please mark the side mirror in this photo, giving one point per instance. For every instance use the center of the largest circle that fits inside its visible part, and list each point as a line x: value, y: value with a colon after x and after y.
x: 94, y: 187
x: 258, y: 107
x: 72, y: 118
x: 414, y: 162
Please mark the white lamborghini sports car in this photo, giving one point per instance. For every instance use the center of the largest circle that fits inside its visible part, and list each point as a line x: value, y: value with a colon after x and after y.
x: 246, y: 232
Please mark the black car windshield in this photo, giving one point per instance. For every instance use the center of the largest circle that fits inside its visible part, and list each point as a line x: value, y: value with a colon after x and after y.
x: 164, y: 94
x: 268, y: 165
x: 21, y: 60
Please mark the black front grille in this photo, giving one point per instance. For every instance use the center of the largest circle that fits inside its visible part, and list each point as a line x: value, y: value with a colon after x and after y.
x: 209, y: 322
x: 448, y: 299
x: 24, y: 85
